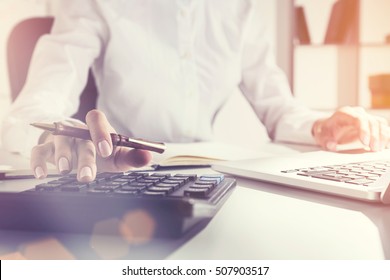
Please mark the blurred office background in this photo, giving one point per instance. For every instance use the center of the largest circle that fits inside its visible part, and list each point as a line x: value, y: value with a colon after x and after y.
x: 314, y: 70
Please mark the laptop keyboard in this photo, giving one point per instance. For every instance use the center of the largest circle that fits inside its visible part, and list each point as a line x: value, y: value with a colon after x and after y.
x: 174, y: 202
x: 358, y: 173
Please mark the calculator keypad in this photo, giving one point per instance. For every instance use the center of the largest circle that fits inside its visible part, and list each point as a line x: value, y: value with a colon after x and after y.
x: 138, y: 184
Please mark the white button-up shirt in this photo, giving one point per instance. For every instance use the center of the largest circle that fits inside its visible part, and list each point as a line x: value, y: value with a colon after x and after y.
x: 163, y: 70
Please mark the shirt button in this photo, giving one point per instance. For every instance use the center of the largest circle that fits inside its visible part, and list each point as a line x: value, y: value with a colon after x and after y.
x: 183, y: 13
x: 186, y: 55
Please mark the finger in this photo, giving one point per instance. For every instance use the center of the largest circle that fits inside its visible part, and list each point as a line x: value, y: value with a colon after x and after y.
x: 86, y: 160
x: 355, y: 124
x: 63, y: 153
x: 384, y: 135
x: 370, y: 129
x: 125, y: 159
x: 386, y: 132
x: 375, y: 136
x: 40, y: 154
x: 323, y: 134
x: 352, y: 111
x: 363, y: 126
x: 100, y: 130
x: 383, y: 131
x: 319, y: 133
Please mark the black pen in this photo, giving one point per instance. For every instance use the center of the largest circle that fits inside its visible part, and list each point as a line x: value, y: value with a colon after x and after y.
x: 117, y: 139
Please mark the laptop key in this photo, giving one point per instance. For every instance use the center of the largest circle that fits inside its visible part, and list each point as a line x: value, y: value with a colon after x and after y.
x: 332, y: 178
x: 361, y: 181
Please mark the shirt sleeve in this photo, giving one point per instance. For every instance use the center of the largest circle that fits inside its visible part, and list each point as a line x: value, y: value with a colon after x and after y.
x: 57, y: 74
x: 266, y: 88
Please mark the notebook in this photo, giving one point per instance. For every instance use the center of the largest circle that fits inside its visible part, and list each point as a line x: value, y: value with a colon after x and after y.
x: 356, y: 174
x: 200, y: 154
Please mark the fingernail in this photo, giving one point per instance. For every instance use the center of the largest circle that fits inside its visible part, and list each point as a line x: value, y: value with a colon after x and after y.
x: 331, y: 146
x: 39, y: 173
x: 85, y: 172
x: 104, y: 148
x: 366, y: 140
x: 63, y: 165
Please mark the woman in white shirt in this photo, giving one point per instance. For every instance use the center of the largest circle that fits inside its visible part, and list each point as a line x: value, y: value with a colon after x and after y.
x: 163, y: 70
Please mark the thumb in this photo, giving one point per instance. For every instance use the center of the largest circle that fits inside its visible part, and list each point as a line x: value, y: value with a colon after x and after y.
x: 124, y: 159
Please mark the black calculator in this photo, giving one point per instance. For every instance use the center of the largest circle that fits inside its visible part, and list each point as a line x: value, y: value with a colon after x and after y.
x: 167, y: 205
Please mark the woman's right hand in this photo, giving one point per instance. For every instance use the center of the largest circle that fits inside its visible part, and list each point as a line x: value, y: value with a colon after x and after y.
x: 87, y: 156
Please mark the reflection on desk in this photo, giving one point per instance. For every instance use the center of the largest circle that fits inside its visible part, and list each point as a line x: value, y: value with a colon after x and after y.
x: 259, y: 221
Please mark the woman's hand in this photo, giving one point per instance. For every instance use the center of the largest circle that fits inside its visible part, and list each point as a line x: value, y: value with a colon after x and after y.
x: 350, y: 124
x: 85, y: 155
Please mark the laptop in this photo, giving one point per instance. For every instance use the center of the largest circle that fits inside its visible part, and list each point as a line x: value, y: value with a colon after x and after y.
x: 356, y: 174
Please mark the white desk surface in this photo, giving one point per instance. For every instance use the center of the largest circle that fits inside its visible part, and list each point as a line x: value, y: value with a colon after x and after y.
x: 258, y: 221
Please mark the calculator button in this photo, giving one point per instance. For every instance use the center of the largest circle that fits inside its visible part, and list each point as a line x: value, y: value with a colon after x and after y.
x: 213, y: 177
x: 206, y: 183
x: 200, y: 186
x: 95, y: 191
x: 197, y: 192
x: 131, y: 178
x: 47, y: 187
x: 73, y: 187
x: 147, y: 180
x: 65, y: 180
x: 181, y: 181
x: 186, y: 177
x: 154, y: 194
x: 107, y: 187
x: 109, y: 175
x: 166, y: 190
x: 132, y: 188
x: 161, y: 175
x: 123, y: 181
x: 138, y: 174
x: 143, y: 185
x: 126, y: 192
x: 168, y: 185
